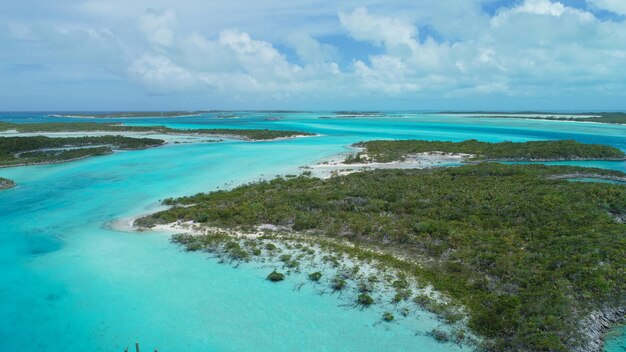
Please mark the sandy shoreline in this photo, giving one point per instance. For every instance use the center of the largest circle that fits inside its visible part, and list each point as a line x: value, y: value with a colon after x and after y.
x: 69, y: 116
x: 179, y: 137
x: 335, y: 166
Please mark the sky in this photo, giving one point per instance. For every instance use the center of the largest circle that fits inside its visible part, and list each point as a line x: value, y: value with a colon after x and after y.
x: 113, y: 55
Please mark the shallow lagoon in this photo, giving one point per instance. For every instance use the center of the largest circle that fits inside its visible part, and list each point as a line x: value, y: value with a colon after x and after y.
x: 69, y: 283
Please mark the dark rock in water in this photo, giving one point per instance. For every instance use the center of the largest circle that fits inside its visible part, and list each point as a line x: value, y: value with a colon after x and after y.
x: 53, y: 297
x: 6, y: 183
x: 596, y: 325
x: 42, y: 244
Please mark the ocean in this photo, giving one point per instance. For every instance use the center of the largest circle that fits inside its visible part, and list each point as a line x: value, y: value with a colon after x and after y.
x: 69, y: 282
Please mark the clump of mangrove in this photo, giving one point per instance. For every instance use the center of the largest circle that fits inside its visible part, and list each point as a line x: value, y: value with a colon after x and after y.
x: 38, y: 149
x: 396, y: 150
x: 275, y: 276
x: 246, y: 134
x: 316, y: 276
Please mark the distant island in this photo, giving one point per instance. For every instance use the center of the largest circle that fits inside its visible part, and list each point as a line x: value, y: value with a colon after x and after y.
x: 243, y: 134
x: 157, y: 114
x: 19, y: 151
x: 131, y: 114
x: 6, y: 183
x: 383, y: 151
x: 601, y: 117
x: 522, y: 260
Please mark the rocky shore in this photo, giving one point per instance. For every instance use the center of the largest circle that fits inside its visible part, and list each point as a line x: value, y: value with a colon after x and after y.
x: 6, y: 184
x: 597, y: 325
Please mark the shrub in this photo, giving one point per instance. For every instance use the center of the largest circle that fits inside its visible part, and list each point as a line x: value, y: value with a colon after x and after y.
x: 338, y: 283
x: 388, y: 316
x: 439, y: 335
x: 364, y: 287
x: 275, y: 276
x: 316, y: 276
x: 365, y: 300
x: 193, y: 246
x: 401, y: 295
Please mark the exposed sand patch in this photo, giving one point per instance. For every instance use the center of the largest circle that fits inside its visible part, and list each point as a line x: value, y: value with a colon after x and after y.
x: 335, y: 166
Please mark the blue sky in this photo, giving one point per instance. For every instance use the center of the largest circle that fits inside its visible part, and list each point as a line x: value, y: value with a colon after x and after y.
x: 74, y: 55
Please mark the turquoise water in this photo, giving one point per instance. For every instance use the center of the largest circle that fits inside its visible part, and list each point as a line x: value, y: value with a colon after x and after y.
x: 70, y: 283
x: 595, y: 180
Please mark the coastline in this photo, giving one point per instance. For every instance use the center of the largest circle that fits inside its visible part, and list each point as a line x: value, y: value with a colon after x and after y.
x: 354, y: 271
x: 482, y: 116
x: 79, y: 158
x: 597, y: 325
x: 13, y: 133
x: 546, y: 160
x: 6, y: 184
x: 69, y: 116
x: 336, y: 166
x: 592, y: 329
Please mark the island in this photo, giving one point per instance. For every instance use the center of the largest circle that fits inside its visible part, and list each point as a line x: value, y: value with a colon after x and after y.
x: 524, y: 261
x: 58, y: 127
x: 353, y: 114
x: 511, y: 257
x: 6, y: 184
x: 20, y: 151
x: 383, y: 151
x: 600, y: 117
x: 131, y: 114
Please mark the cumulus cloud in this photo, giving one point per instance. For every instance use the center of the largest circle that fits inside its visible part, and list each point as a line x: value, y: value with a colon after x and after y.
x: 160, y: 75
x: 158, y: 25
x: 615, y: 6
x: 539, y: 8
x: 311, y: 50
x: 390, y: 32
x: 450, y: 49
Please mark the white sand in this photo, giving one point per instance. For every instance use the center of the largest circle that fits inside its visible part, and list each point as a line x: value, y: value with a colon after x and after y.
x: 336, y: 166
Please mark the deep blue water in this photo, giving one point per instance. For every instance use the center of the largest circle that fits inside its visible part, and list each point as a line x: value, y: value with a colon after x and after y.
x: 70, y: 283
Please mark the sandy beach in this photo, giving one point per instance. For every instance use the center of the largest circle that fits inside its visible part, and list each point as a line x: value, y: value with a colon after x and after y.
x: 336, y: 166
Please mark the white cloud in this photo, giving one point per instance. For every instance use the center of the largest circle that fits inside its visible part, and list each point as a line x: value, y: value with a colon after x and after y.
x: 387, y: 31
x: 160, y: 75
x: 435, y: 49
x: 538, y: 8
x: 158, y: 26
x: 616, y: 6
x: 310, y: 50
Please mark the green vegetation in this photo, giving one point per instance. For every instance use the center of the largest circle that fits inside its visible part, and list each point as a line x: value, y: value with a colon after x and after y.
x: 6, y: 183
x: 439, y: 335
x: 388, y: 316
x: 316, y: 276
x: 275, y: 276
x: 338, y: 283
x: 110, y: 127
x: 526, y: 256
x: 388, y: 151
x: 365, y: 300
x: 39, y: 150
